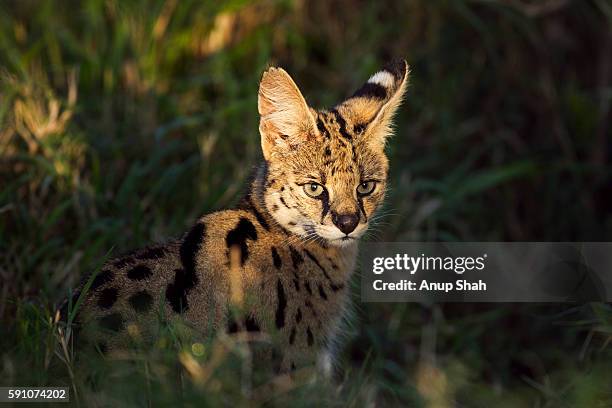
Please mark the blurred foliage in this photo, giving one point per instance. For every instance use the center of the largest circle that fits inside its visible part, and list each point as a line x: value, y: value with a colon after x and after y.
x: 121, y: 122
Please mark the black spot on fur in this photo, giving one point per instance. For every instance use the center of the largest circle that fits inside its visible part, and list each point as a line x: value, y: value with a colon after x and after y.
x: 123, y: 262
x: 140, y: 272
x: 333, y: 264
x: 105, y: 276
x: 292, y: 336
x: 152, y: 253
x: 274, y: 207
x: 250, y: 207
x: 113, y: 322
x: 322, y: 128
x: 342, y: 123
x: 359, y: 128
x: 371, y: 90
x: 282, y: 200
x: 327, y: 151
x: 310, y: 337
x: 322, y: 292
x: 186, y: 278
x: 310, y: 307
x: 308, y: 288
x: 251, y: 325
x: 335, y: 287
x: 141, y: 301
x: 281, y: 305
x: 296, y: 283
x: 296, y: 257
x: 107, y: 298
x: 298, y: 316
x: 278, y: 263
x: 238, y: 237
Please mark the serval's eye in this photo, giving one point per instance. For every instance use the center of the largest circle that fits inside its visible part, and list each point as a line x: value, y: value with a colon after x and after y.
x: 313, y: 189
x: 366, y: 188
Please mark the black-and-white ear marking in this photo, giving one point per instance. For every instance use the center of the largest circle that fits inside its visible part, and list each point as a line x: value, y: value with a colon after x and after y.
x: 383, y: 84
x: 372, y: 106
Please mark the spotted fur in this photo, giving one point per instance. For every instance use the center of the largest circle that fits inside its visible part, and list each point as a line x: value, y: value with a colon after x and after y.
x: 285, y: 254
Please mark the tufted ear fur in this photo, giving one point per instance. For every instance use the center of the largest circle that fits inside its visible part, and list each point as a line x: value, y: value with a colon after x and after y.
x: 285, y: 118
x: 372, y: 106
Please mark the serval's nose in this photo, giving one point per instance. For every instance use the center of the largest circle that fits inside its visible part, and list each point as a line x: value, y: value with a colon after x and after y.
x: 345, y: 222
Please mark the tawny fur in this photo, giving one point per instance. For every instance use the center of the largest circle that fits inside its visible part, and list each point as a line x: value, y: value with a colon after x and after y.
x: 279, y: 257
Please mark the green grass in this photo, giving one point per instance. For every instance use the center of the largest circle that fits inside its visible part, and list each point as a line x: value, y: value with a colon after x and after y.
x: 122, y: 122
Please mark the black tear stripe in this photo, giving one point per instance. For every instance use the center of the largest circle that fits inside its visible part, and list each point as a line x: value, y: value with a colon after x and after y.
x: 141, y: 301
x: 298, y: 316
x: 324, y: 197
x: 343, y: 131
x: 322, y: 128
x: 250, y: 207
x: 322, y: 292
x: 186, y: 278
x: 102, y: 278
x: 151, y: 253
x: 281, y: 305
x: 276, y: 259
x: 332, y: 285
x: 371, y: 90
x: 107, y: 298
x: 244, y: 231
x: 362, y: 208
x: 292, y: 336
x: 310, y: 337
x: 113, y: 322
x: 140, y: 272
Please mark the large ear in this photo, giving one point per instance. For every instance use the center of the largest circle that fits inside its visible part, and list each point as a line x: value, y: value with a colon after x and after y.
x: 285, y: 118
x: 371, y: 107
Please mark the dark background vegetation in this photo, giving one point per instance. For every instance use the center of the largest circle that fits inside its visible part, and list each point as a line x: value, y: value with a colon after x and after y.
x: 122, y: 122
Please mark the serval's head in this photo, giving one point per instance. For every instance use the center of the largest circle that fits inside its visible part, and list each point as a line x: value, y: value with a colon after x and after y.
x: 327, y: 169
